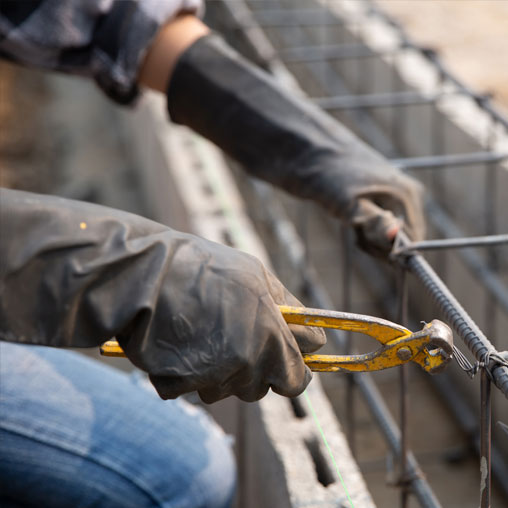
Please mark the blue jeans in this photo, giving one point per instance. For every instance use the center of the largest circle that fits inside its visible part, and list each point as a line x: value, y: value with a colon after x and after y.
x: 76, y: 433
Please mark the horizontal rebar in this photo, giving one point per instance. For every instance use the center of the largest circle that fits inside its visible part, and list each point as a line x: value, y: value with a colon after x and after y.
x: 456, y: 316
x: 477, y: 266
x: 376, y: 100
x: 456, y: 159
x: 275, y: 18
x: 454, y: 243
x: 329, y: 52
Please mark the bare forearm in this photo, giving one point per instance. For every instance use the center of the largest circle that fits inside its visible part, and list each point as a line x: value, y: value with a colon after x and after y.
x: 173, y: 39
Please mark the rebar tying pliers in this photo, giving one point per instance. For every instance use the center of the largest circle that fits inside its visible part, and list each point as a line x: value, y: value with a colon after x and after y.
x: 431, y: 347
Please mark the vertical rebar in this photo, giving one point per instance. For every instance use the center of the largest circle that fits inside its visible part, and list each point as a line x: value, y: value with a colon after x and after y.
x: 241, y: 453
x: 346, y: 303
x: 438, y: 178
x: 485, y: 440
x: 491, y: 228
x: 403, y: 396
x: 438, y: 142
x: 491, y: 317
x: 404, y: 401
x: 394, y: 117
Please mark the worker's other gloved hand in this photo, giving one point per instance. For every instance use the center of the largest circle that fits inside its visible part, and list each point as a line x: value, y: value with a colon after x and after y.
x: 194, y: 314
x: 376, y: 226
x: 291, y: 143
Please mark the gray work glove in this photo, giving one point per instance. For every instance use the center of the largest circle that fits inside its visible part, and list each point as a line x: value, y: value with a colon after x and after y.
x: 289, y: 142
x: 194, y: 314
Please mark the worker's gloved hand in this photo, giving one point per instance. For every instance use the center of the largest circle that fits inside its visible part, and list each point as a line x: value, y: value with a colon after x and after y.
x: 219, y: 330
x: 291, y: 143
x: 194, y: 314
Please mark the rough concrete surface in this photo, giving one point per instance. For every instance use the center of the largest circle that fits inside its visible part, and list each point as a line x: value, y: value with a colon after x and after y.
x: 282, y: 457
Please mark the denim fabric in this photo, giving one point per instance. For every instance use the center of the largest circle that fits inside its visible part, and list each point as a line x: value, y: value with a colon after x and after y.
x: 76, y: 433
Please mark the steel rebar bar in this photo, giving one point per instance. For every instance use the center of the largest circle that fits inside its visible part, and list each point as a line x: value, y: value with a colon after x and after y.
x: 457, y: 317
x: 378, y: 100
x: 455, y: 243
x: 485, y: 440
x: 449, y: 160
x: 344, y: 51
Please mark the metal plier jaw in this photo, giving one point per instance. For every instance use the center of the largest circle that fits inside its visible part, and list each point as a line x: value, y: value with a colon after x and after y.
x: 431, y: 347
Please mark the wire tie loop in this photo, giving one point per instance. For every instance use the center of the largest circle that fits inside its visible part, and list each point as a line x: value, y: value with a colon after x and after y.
x: 490, y: 361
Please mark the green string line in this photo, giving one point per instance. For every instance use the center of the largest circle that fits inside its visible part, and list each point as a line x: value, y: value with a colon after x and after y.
x: 239, y: 238
x: 318, y: 425
x: 224, y: 200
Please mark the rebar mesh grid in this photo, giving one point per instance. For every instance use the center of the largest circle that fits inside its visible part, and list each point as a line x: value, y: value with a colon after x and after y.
x: 289, y: 22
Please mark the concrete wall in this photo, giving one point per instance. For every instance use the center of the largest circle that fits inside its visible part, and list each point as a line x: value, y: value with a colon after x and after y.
x: 283, y: 460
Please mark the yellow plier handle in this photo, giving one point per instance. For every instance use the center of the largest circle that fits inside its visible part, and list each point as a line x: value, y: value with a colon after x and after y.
x: 431, y: 347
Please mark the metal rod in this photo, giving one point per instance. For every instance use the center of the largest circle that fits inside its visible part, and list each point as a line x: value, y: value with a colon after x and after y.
x: 437, y: 178
x: 455, y: 243
x: 438, y: 144
x: 439, y: 161
x: 377, y: 100
x: 404, y: 480
x: 491, y: 228
x: 457, y: 316
x: 403, y: 409
x: 401, y: 116
x: 344, y: 51
x: 346, y: 302
x: 477, y: 266
x: 281, y: 18
x: 351, y: 414
x: 485, y: 440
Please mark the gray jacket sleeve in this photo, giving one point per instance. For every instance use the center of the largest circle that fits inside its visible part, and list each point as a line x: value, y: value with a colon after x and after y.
x: 102, y: 39
x: 288, y: 141
x: 72, y: 273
